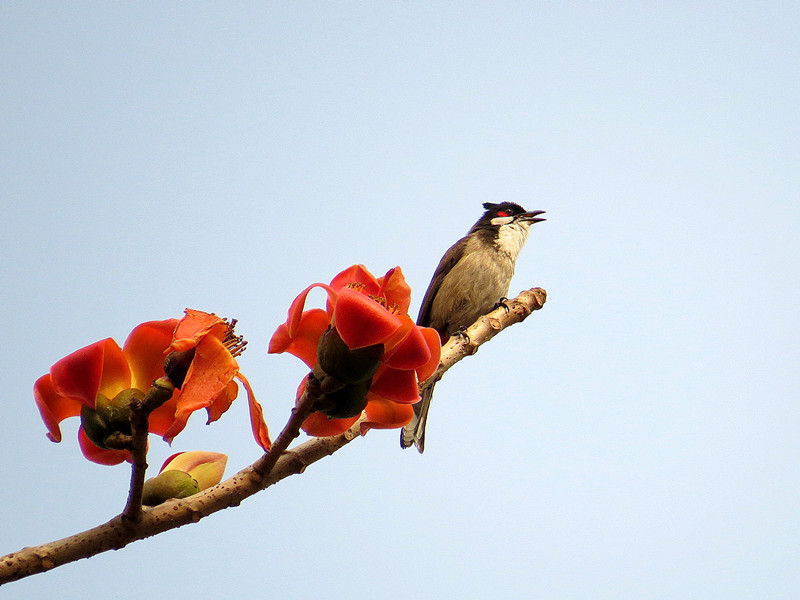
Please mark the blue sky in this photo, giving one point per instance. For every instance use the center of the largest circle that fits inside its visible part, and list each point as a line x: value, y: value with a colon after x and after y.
x: 637, y: 438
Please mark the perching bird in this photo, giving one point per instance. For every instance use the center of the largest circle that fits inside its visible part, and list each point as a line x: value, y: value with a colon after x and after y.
x: 472, y: 277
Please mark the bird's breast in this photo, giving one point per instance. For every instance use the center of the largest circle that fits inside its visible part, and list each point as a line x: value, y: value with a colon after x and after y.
x: 471, y: 289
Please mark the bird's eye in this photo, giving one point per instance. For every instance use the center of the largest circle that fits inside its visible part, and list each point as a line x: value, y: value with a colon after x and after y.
x: 502, y: 213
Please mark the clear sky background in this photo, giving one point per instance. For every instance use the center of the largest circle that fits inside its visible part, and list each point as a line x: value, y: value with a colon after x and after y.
x: 637, y: 438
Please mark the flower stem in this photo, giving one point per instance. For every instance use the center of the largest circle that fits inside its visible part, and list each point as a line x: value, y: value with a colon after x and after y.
x: 250, y: 480
x: 139, y: 425
x: 303, y: 408
x: 159, y: 392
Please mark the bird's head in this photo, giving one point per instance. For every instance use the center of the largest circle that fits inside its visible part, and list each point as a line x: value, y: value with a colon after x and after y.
x: 507, y: 213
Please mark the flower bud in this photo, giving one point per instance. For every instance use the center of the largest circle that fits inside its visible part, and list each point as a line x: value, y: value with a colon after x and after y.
x: 184, y: 474
x: 110, y: 418
x: 168, y: 485
x: 346, y: 365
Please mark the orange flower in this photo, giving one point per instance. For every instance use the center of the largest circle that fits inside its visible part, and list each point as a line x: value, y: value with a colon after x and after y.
x: 99, y: 373
x: 210, y: 381
x: 366, y: 312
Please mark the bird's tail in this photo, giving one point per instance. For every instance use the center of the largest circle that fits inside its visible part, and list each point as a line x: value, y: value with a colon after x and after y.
x: 414, y: 432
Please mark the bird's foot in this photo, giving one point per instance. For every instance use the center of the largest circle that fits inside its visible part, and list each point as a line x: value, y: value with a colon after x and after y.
x: 502, y: 302
x: 462, y: 333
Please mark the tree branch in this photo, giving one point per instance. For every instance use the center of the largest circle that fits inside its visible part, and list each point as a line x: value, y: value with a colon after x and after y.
x: 272, y: 467
x: 485, y: 328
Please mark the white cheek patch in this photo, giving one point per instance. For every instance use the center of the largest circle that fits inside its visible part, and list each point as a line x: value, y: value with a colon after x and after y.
x: 512, y: 238
x: 502, y: 220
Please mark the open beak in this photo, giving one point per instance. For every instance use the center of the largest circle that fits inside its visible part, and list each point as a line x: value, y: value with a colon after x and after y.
x: 532, y: 216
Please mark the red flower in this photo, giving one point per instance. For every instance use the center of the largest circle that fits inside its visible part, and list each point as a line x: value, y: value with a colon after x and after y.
x: 365, y: 311
x: 101, y: 371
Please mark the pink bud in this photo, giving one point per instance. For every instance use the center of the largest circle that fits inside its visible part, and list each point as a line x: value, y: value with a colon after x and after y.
x: 206, y: 468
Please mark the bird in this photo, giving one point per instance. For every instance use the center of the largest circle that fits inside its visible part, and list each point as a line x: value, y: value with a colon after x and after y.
x: 473, y: 276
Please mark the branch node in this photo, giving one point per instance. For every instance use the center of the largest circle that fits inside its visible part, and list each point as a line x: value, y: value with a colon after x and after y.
x: 45, y: 560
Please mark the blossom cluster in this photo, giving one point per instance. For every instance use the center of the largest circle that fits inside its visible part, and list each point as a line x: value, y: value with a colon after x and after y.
x: 98, y: 382
x: 363, y: 345
x: 366, y: 312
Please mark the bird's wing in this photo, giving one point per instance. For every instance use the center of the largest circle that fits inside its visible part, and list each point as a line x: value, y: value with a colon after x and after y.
x: 450, y: 258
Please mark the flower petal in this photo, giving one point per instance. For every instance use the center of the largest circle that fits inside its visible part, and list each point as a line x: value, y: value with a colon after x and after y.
x: 395, y: 289
x: 396, y: 385
x: 144, y: 350
x: 222, y: 402
x: 212, y: 369
x: 99, y: 367
x: 356, y: 274
x: 296, y: 312
x: 385, y: 414
x: 257, y: 423
x: 162, y: 418
x: 361, y: 321
x: 98, y: 455
x: 409, y: 353
x: 434, y: 346
x: 196, y: 326
x: 304, y: 343
x: 53, y: 407
x: 319, y: 425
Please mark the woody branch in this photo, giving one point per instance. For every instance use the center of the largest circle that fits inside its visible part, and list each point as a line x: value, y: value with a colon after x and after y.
x: 277, y: 464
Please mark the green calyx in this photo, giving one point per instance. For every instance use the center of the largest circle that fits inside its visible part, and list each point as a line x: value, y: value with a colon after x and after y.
x: 344, y: 364
x: 108, y: 424
x: 168, y: 485
x: 346, y: 402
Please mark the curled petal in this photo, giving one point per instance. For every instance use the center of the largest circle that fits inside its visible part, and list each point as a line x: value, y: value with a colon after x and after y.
x: 222, y: 402
x: 385, y: 414
x: 280, y: 340
x: 433, y: 341
x: 409, y: 353
x: 162, y: 418
x: 295, y: 315
x: 212, y: 370
x: 406, y: 324
x: 177, y: 425
x: 144, y: 350
x: 361, y: 321
x: 319, y: 425
x: 257, y: 423
x: 303, y: 344
x: 196, y: 326
x: 396, y: 385
x: 53, y: 407
x: 99, y: 367
x: 101, y: 456
x: 396, y: 290
x: 356, y: 274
